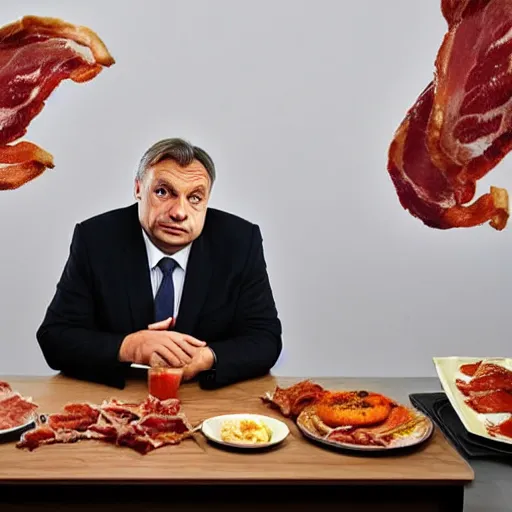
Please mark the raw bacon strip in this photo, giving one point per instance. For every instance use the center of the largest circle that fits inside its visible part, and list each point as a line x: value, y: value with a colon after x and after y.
x: 36, y: 55
x: 461, y: 125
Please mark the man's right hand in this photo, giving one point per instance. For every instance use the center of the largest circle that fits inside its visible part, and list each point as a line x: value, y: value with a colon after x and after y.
x: 173, y: 347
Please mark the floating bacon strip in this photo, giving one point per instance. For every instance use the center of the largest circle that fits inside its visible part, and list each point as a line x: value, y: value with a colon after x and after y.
x: 461, y: 125
x: 292, y: 400
x: 141, y: 426
x: 15, y: 410
x: 36, y: 55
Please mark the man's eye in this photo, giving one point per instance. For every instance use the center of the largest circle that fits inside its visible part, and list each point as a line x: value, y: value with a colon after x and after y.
x: 195, y: 199
x: 160, y: 191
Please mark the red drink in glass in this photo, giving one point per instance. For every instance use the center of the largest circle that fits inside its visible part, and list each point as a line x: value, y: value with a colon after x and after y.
x: 163, y: 383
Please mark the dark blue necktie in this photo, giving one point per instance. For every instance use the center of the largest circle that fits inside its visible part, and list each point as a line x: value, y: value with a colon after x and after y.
x: 164, y: 299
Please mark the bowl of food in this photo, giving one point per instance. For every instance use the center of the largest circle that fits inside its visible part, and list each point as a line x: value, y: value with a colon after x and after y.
x: 245, y: 430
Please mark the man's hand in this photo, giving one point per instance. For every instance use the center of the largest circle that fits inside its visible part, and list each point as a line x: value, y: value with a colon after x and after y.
x: 174, y: 348
x: 203, y: 360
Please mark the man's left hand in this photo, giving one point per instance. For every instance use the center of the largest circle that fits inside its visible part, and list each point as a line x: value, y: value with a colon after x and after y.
x: 202, y: 360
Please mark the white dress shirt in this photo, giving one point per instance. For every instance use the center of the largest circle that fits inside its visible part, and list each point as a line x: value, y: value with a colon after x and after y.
x: 178, y: 276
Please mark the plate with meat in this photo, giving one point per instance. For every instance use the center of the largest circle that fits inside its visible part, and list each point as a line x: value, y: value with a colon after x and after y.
x: 480, y: 391
x: 360, y: 420
x: 16, y: 411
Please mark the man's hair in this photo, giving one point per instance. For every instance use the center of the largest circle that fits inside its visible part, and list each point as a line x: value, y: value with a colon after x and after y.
x: 179, y: 150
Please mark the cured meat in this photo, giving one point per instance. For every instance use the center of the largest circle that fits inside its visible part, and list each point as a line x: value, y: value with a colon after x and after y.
x: 292, y: 400
x: 470, y: 368
x: 491, y: 402
x: 36, y: 55
x: 503, y: 429
x: 5, y: 389
x: 488, y: 377
x: 461, y: 125
x: 142, y: 426
x: 488, y: 392
x: 15, y: 410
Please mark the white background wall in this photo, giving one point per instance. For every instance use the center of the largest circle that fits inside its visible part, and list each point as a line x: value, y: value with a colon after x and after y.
x: 297, y: 102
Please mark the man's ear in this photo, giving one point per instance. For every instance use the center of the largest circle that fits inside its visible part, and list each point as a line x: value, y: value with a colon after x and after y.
x: 137, y: 189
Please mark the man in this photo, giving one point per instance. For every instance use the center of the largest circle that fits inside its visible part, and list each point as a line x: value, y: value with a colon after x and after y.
x: 167, y: 279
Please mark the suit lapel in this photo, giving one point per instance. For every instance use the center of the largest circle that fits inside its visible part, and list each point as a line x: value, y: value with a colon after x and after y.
x: 138, y: 280
x: 195, y: 287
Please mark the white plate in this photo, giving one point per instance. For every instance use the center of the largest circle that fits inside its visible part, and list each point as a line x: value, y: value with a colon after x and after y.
x: 18, y: 427
x: 448, y: 371
x: 211, y: 428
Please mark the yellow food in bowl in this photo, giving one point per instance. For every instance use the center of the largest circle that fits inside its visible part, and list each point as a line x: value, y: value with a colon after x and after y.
x: 245, y: 431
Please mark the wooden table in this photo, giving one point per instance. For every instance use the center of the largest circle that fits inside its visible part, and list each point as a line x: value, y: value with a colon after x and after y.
x: 296, y: 475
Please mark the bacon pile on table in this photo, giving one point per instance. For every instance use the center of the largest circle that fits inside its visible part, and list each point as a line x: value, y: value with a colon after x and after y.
x: 489, y: 391
x: 460, y: 127
x: 36, y: 55
x: 15, y: 409
x: 143, y: 426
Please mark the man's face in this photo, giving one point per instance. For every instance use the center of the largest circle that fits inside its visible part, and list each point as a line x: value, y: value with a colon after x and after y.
x: 172, y: 203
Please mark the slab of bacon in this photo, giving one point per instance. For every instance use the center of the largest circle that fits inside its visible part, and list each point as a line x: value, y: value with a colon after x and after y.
x: 142, y: 426
x: 292, y: 400
x: 355, y: 417
x: 489, y: 391
x: 461, y: 125
x: 36, y: 55
x: 15, y: 409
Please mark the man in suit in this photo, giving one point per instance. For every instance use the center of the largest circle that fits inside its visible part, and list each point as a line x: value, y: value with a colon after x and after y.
x: 166, y: 279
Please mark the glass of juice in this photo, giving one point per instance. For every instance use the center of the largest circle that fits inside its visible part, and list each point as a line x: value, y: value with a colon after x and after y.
x: 163, y: 382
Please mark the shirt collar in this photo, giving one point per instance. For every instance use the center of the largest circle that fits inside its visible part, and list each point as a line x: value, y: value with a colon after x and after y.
x: 155, y: 254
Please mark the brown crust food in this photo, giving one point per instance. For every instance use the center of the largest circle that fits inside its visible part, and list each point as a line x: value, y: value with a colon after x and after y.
x: 353, y: 408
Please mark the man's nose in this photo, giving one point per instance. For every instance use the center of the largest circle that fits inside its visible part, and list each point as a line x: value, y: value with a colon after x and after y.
x: 177, y: 211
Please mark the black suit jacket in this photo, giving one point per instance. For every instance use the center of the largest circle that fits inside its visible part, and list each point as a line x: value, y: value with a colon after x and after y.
x: 105, y: 293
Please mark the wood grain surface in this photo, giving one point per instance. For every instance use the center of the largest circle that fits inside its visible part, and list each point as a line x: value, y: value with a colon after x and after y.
x: 197, y: 461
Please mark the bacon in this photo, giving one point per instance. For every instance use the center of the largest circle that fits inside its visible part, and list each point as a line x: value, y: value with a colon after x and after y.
x: 461, y: 125
x: 142, y: 426
x: 15, y: 410
x: 5, y: 390
x: 292, y: 400
x: 470, y: 368
x: 503, y: 429
x: 498, y: 401
x: 488, y: 377
x: 36, y: 55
